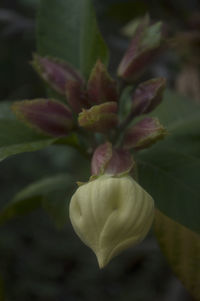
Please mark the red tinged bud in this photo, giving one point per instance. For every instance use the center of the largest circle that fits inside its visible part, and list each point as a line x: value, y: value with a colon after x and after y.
x: 48, y: 116
x: 99, y: 118
x: 101, y: 87
x: 144, y: 133
x: 76, y: 96
x: 55, y: 72
x: 108, y: 160
x: 101, y: 157
x: 148, y: 96
x: 144, y: 46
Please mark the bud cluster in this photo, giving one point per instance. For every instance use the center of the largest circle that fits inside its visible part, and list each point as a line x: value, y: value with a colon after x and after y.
x: 111, y: 211
x: 92, y: 104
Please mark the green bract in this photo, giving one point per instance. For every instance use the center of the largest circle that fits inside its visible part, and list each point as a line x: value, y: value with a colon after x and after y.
x: 111, y: 214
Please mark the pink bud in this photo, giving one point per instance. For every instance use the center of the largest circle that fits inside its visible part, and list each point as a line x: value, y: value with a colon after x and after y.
x: 148, y: 96
x: 48, y: 116
x: 55, y: 72
x: 144, y: 133
x: 76, y: 96
x: 101, y: 157
x: 101, y: 87
x: 144, y: 46
x: 109, y: 160
x: 99, y: 118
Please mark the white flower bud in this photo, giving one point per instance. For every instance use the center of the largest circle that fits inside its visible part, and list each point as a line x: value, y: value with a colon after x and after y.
x: 110, y: 214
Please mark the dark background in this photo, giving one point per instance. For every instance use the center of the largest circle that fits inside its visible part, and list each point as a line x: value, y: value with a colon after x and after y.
x: 37, y: 261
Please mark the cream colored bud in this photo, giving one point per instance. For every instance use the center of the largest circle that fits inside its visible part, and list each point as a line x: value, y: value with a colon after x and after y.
x: 111, y: 214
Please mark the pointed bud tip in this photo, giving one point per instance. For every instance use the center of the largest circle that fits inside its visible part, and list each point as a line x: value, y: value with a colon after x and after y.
x: 55, y: 72
x: 101, y: 87
x: 144, y: 134
x: 102, y: 260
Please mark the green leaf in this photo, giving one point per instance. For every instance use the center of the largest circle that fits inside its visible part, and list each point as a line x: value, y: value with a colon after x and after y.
x: 92, y: 45
x: 181, y: 247
x: 175, y: 109
x: 50, y: 193
x: 170, y: 170
x: 68, y: 30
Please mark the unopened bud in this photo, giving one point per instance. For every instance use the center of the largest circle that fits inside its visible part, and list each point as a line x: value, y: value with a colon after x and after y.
x: 109, y: 160
x: 148, y: 96
x: 144, y: 133
x: 99, y: 118
x: 46, y: 115
x: 76, y: 96
x: 111, y: 214
x: 144, y: 46
x: 101, y: 87
x: 55, y: 72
